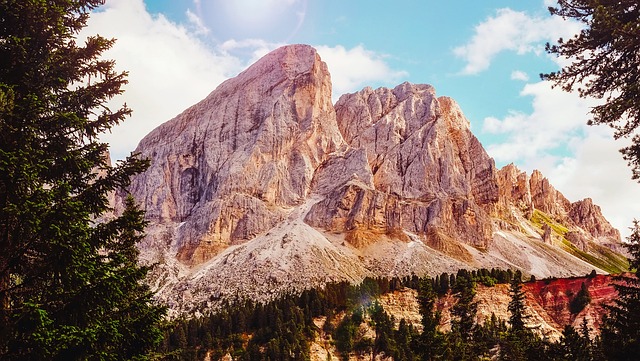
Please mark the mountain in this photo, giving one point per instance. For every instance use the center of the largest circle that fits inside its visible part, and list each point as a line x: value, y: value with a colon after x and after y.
x: 267, y: 187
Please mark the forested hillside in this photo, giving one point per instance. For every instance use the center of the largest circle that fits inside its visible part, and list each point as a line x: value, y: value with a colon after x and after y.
x: 352, y: 322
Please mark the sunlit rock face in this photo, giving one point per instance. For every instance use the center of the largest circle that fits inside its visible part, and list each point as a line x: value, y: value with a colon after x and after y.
x: 267, y: 187
x: 226, y: 169
x: 428, y: 170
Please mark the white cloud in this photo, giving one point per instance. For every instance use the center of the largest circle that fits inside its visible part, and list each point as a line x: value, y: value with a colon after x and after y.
x: 351, y: 69
x: 169, y: 67
x: 579, y: 160
x: 511, y: 30
x: 597, y: 170
x: 519, y: 75
x: 250, y: 49
x: 557, y: 118
x: 197, y: 23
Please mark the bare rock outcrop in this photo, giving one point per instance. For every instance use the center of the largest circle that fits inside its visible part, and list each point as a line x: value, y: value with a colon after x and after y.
x: 223, y: 170
x: 589, y: 217
x: 266, y: 187
x: 546, y: 198
x: 515, y: 190
x: 420, y: 149
x: 583, y: 219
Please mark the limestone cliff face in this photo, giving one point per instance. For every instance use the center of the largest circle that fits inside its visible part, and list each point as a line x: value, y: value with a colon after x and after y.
x: 266, y: 187
x: 546, y: 198
x: 583, y: 219
x: 222, y: 170
x: 515, y: 189
x: 428, y: 170
x: 589, y: 217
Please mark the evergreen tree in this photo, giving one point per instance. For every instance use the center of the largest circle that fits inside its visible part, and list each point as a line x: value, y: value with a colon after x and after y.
x: 403, y: 339
x: 516, y: 305
x: 70, y: 287
x: 582, y: 299
x: 428, y: 346
x: 444, y: 286
x: 463, y: 324
x: 519, y: 341
x: 345, y: 334
x: 383, y: 325
x: 465, y: 309
x: 573, y: 346
x: 620, y: 332
x: 604, y: 64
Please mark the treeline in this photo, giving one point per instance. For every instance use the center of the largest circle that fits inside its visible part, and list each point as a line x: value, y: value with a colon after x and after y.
x: 284, y: 328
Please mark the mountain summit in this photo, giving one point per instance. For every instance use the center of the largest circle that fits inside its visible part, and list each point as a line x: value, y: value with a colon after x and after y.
x: 266, y: 187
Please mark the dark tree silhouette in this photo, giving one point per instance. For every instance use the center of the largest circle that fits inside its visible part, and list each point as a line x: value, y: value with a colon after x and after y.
x: 604, y: 64
x: 70, y: 287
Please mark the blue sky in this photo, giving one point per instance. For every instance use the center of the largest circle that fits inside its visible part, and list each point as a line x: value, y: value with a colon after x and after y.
x: 487, y: 55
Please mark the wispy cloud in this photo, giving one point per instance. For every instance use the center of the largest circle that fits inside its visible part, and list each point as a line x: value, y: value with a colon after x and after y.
x: 519, y: 75
x: 514, y: 31
x: 199, y: 27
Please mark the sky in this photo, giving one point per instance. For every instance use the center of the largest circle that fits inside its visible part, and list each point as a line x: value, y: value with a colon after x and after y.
x: 487, y: 55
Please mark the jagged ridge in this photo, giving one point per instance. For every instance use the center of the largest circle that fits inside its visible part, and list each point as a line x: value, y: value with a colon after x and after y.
x: 265, y: 187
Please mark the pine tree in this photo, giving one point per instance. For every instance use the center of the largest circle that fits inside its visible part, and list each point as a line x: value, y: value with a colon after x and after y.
x: 428, y: 345
x: 70, y: 287
x: 620, y: 332
x: 574, y: 346
x: 604, y: 64
x: 383, y: 326
x: 463, y: 324
x: 516, y: 305
x: 403, y: 338
x: 465, y: 309
x: 519, y: 339
x: 582, y: 299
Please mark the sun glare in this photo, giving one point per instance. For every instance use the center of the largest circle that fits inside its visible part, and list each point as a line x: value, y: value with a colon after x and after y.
x: 275, y: 20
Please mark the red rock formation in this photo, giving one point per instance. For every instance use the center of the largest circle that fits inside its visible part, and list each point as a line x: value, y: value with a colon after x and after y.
x: 551, y: 298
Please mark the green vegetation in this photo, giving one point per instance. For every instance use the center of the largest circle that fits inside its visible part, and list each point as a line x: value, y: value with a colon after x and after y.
x: 621, y: 327
x: 581, y: 300
x: 284, y: 329
x: 539, y: 218
x: 601, y: 257
x: 608, y: 261
x: 70, y: 288
x: 603, y: 63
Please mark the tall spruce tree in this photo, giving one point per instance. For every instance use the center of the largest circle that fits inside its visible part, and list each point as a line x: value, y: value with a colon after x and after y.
x: 516, y: 305
x: 518, y: 340
x: 620, y: 332
x: 70, y: 287
x: 463, y: 325
x: 604, y: 64
x: 429, y: 344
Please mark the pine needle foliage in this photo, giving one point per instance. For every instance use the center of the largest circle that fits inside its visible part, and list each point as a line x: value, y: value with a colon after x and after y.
x: 70, y: 286
x: 605, y: 64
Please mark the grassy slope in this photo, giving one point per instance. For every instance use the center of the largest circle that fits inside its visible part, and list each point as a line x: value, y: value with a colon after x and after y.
x: 598, y: 256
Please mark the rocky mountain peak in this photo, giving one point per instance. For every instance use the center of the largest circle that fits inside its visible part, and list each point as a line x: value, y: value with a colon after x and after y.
x: 589, y: 216
x: 222, y: 170
x: 265, y: 186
